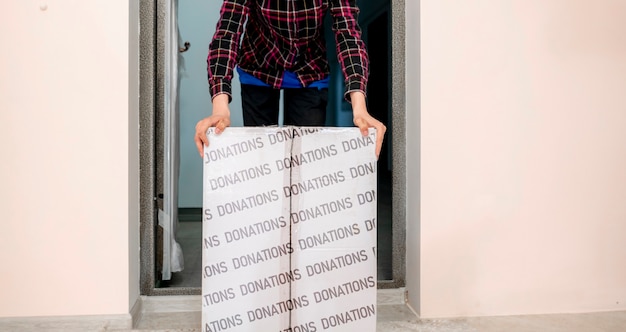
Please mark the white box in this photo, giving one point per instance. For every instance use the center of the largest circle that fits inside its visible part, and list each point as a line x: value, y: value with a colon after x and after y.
x: 289, y: 230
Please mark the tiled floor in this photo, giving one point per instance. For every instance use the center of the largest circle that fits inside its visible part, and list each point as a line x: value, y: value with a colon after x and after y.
x: 182, y: 314
x: 173, y: 314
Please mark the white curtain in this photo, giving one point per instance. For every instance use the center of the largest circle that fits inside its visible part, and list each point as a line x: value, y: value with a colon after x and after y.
x: 168, y: 217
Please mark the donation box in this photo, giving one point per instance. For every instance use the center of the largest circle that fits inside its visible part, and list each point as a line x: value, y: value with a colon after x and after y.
x: 289, y: 230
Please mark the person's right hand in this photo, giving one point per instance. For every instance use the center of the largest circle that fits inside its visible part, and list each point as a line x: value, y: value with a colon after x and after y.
x: 220, y: 119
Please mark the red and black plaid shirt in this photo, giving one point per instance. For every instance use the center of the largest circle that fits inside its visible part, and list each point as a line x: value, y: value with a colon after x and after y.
x: 285, y: 35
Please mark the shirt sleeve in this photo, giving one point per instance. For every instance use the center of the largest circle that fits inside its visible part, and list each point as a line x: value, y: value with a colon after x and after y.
x: 351, y: 50
x: 225, y: 45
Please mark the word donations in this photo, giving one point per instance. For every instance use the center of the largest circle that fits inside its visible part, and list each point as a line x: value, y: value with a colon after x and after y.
x: 289, y: 230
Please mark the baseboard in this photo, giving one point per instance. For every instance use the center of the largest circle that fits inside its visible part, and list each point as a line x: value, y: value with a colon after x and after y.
x: 408, y: 304
x: 67, y: 323
x: 136, y: 312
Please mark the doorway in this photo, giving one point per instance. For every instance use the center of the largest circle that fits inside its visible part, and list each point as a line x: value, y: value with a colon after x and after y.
x: 154, y: 87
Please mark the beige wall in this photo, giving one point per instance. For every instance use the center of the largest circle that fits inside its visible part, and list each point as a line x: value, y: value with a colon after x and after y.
x: 520, y: 152
x: 523, y: 156
x: 69, y: 234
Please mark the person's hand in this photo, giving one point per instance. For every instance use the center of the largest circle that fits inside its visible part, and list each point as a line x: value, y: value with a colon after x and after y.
x: 220, y: 119
x: 364, y: 120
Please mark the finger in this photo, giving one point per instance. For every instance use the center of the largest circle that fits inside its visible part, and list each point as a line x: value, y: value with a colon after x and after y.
x: 205, y: 140
x: 379, y: 146
x: 362, y: 126
x: 380, y: 136
x: 379, y: 143
x: 224, y: 123
x: 219, y: 127
x: 199, y: 144
x: 202, y: 133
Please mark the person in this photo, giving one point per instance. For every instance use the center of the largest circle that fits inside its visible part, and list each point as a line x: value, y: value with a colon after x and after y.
x: 283, y: 47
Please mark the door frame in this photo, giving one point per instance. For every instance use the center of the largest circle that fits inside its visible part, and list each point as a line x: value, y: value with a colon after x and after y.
x: 152, y: 89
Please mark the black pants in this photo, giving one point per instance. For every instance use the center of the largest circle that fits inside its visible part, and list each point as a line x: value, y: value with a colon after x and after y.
x: 303, y: 107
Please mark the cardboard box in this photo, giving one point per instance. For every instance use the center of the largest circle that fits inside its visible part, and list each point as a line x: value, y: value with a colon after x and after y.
x: 289, y: 230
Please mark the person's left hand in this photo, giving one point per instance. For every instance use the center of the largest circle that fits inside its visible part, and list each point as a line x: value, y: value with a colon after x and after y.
x: 364, y: 120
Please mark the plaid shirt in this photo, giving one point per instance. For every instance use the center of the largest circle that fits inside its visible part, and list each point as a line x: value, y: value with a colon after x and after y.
x: 285, y: 35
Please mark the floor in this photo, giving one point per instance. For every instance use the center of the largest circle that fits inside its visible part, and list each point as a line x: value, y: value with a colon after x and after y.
x: 394, y: 316
x: 181, y: 313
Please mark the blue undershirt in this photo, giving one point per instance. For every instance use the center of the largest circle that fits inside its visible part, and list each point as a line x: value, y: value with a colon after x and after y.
x: 290, y: 81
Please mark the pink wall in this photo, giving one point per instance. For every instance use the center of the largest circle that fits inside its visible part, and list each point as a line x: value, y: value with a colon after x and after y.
x: 523, y: 156
x: 68, y: 244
